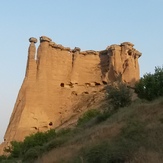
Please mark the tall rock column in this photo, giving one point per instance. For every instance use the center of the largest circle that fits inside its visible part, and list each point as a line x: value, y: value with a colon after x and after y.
x: 123, y: 63
x: 115, y: 64
x: 137, y: 54
x: 42, y: 59
x: 75, y: 58
x: 31, y: 63
x: 130, y: 63
x: 13, y: 131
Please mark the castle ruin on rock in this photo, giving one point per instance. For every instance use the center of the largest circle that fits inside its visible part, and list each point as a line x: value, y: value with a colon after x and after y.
x: 56, y: 77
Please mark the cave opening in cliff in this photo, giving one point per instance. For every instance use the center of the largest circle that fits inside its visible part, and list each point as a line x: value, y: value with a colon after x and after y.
x: 62, y: 84
x: 130, y: 52
x: 97, y: 84
x: 35, y: 128
x: 104, y: 82
x: 87, y: 84
x: 50, y: 123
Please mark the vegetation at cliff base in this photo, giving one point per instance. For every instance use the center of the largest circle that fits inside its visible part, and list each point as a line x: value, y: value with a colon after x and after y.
x: 118, y: 96
x: 130, y: 134
x: 34, y: 145
x: 150, y: 85
x: 87, y: 116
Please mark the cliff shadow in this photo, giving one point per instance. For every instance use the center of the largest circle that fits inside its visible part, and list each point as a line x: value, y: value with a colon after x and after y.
x: 104, y: 65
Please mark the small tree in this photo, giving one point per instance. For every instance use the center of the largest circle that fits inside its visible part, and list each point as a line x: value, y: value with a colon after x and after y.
x: 87, y: 116
x: 119, y: 96
x: 150, y: 86
x: 18, y: 149
x: 15, y: 149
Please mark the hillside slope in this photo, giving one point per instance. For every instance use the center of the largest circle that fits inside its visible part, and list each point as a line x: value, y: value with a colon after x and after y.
x: 133, y: 134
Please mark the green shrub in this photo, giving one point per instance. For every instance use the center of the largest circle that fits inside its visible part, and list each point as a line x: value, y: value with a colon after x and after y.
x: 134, y: 131
x: 32, y: 154
x: 120, y: 149
x: 15, y: 149
x: 150, y: 86
x: 87, y: 116
x: 118, y: 96
x: 104, y: 115
x: 38, y: 139
x: 105, y: 152
x: 64, y: 132
x: 35, y: 144
x: 3, y: 158
x: 53, y: 144
x: 10, y: 161
x: 61, y: 137
x: 30, y: 145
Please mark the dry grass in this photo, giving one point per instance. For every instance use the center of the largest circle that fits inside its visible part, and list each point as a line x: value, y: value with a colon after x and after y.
x: 145, y: 156
x: 87, y: 138
x: 149, y: 151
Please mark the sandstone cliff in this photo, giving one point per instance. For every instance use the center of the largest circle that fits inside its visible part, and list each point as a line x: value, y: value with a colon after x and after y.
x: 58, y: 79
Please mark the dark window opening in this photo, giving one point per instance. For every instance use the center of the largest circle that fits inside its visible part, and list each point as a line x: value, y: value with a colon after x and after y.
x: 129, y: 53
x: 97, y: 84
x: 104, y: 82
x: 71, y: 85
x: 87, y: 84
x: 35, y: 128
x: 62, y: 84
x: 50, y: 124
x: 74, y: 93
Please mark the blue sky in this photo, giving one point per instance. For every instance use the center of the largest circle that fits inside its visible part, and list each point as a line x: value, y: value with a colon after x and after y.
x: 88, y: 24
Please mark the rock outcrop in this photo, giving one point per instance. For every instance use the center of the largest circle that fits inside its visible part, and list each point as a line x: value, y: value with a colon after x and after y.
x: 57, y: 77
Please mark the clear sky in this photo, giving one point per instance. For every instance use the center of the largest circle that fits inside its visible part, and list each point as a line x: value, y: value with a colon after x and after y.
x: 88, y: 24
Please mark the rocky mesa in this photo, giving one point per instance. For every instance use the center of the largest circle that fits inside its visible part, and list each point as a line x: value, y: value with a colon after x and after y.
x: 58, y: 78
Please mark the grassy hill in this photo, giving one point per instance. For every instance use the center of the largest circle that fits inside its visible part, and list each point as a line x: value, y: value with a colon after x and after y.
x: 133, y: 134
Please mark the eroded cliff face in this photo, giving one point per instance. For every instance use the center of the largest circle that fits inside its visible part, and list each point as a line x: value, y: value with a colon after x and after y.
x: 58, y: 79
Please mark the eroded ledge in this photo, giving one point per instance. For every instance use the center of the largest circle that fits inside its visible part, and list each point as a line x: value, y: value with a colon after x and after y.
x: 33, y: 40
x: 45, y: 38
